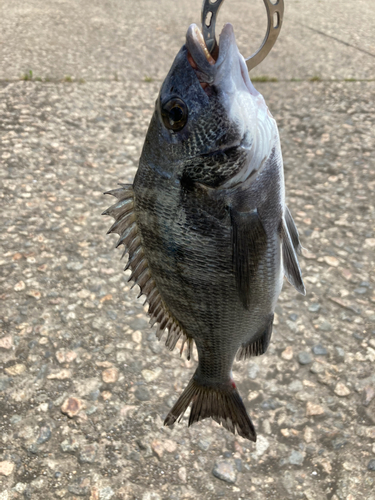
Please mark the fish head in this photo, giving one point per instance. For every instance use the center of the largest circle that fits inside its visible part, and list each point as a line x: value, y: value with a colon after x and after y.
x: 207, y: 105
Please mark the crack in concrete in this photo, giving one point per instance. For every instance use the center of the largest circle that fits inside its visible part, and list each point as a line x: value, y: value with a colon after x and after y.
x: 338, y: 40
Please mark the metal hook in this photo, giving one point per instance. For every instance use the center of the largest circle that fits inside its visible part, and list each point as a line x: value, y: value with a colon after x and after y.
x: 210, y: 10
x: 275, y: 14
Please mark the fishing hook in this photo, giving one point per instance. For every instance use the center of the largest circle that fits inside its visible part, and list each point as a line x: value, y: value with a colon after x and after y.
x: 275, y: 13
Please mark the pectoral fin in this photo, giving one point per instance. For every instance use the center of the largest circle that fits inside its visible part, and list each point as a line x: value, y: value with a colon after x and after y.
x: 293, y: 231
x: 292, y: 270
x: 249, y: 242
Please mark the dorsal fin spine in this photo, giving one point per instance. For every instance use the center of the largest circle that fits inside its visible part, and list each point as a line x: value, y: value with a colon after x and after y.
x: 125, y: 225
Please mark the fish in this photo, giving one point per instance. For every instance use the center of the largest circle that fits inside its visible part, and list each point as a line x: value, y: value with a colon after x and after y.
x: 205, y: 226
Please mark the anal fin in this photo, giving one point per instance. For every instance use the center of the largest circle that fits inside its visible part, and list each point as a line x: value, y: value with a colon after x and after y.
x: 249, y: 243
x: 258, y: 346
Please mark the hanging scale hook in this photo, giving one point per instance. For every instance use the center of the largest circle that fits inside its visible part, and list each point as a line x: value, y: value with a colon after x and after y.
x: 275, y: 13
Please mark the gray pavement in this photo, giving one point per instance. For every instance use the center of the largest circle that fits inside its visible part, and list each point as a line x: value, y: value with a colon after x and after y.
x: 129, y: 40
x: 84, y: 384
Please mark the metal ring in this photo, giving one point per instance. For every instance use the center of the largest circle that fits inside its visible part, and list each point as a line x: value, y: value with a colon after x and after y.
x: 275, y: 14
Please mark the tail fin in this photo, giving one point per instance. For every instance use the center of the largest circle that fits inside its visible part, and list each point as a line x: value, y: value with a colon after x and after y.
x: 222, y: 403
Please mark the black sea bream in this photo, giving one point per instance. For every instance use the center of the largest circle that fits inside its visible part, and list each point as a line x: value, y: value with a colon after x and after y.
x: 205, y: 224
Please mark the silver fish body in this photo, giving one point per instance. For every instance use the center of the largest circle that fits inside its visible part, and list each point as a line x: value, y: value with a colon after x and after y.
x: 205, y: 224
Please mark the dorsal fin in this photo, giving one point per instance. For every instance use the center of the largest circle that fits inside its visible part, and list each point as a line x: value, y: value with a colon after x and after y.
x: 125, y: 226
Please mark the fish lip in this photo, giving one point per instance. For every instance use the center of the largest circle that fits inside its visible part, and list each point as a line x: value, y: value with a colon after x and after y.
x: 207, y: 67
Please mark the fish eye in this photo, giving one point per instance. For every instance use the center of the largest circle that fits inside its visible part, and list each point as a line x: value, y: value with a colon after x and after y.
x: 174, y: 114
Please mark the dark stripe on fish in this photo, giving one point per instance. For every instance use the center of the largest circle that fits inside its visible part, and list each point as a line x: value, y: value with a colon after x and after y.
x: 249, y: 244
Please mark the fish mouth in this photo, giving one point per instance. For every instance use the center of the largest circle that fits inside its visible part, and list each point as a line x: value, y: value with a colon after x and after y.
x: 226, y: 60
x: 205, y: 64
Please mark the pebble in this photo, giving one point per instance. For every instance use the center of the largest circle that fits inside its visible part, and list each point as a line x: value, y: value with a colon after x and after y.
x: 72, y: 406
x: 308, y: 434
x: 304, y: 358
x: 80, y: 487
x: 142, y: 393
x: 151, y: 375
x: 44, y: 434
x: 158, y: 448
x: 369, y: 243
x: 341, y: 390
x: 140, y: 324
x: 339, y: 353
x: 74, y: 266
x: 295, y: 386
x: 225, y: 470
x: 368, y: 395
x: 91, y: 410
x: 319, y: 350
x: 371, y: 465
x: 106, y: 493
x: 296, y: 458
x: 238, y: 463
x: 111, y: 375
x: 325, y: 326
x: 137, y: 337
x: 144, y: 445
x: 60, y: 375
x: 20, y: 487
x: 331, y: 261
x: 270, y: 404
x: 266, y: 426
x: 4, y: 383
x: 317, y: 368
x: 6, y: 342
x: 169, y: 445
x: 106, y: 395
x: 69, y: 445
x: 204, y: 444
x: 18, y: 287
x: 253, y: 370
x: 6, y: 468
x: 65, y: 357
x: 15, y: 370
x: 261, y: 446
x: 339, y: 442
x: 182, y: 474
x: 151, y: 495
x: 313, y: 409
x: 314, y: 307
x: 287, y: 354
x: 135, y: 456
x: 94, y: 395
x: 87, y: 454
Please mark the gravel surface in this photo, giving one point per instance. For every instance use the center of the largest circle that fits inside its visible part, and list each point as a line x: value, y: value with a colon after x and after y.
x: 84, y: 383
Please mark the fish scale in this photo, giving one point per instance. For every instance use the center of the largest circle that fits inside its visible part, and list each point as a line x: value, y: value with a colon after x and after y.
x: 205, y: 225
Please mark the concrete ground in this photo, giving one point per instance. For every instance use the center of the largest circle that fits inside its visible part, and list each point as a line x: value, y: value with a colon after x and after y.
x: 84, y: 384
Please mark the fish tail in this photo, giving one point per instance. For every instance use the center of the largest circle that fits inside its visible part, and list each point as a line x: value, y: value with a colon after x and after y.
x: 221, y: 402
